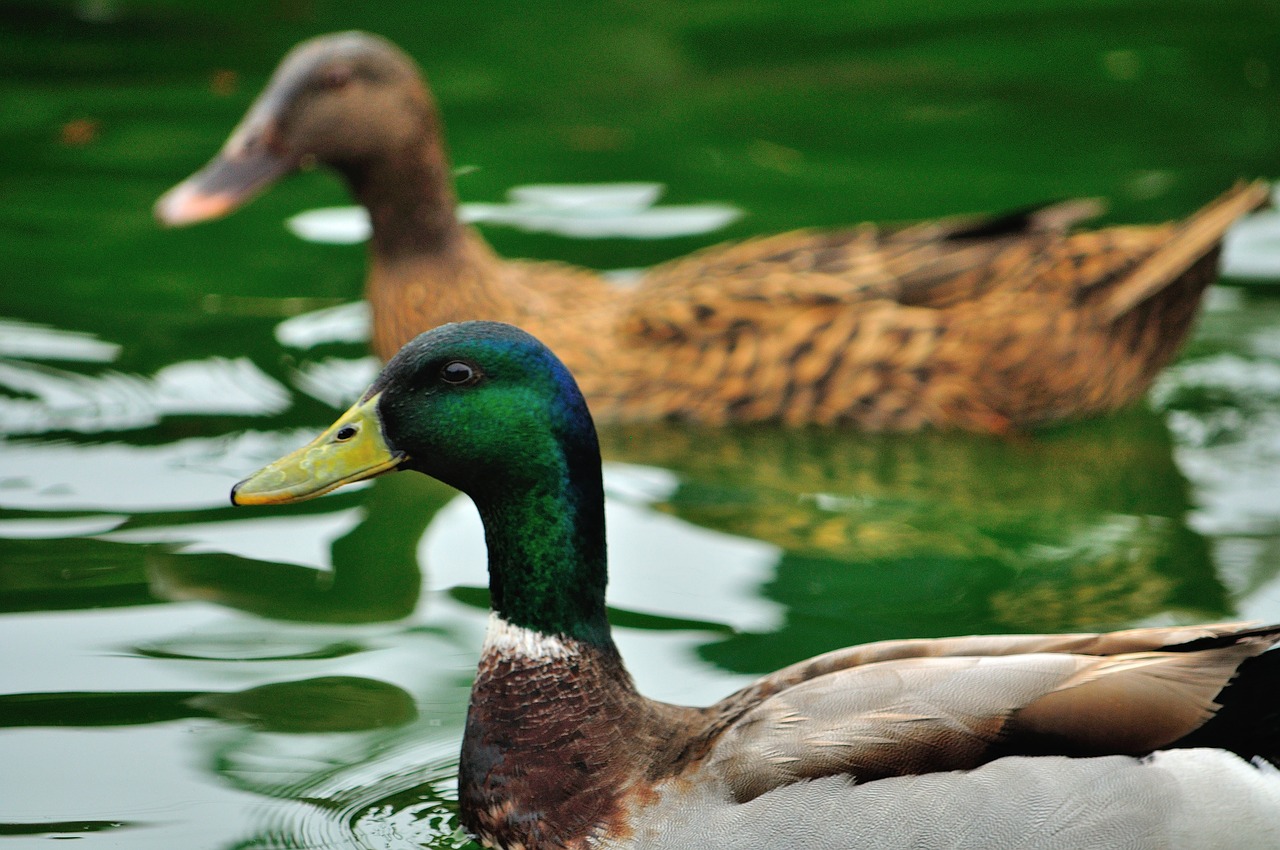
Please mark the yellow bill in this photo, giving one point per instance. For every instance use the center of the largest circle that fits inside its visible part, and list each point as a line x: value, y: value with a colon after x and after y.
x: 352, y: 449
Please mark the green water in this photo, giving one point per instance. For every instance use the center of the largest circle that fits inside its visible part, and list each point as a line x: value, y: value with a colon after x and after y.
x: 178, y: 673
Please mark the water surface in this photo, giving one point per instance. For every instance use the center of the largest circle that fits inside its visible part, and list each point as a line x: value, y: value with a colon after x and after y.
x: 178, y: 673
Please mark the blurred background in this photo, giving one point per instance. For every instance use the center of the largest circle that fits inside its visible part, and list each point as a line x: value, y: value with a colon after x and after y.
x: 177, y: 673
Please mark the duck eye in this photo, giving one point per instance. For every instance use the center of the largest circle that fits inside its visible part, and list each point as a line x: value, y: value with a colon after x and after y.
x: 345, y: 433
x: 336, y: 76
x: 457, y: 373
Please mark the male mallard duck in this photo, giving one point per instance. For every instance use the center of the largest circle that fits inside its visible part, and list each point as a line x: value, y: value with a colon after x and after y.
x: 1135, y: 739
x: 984, y: 324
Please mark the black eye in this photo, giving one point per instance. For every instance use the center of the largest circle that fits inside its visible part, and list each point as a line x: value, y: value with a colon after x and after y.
x: 336, y: 76
x: 345, y: 433
x: 457, y: 373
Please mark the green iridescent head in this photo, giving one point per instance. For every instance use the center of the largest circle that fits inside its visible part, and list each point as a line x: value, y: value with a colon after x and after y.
x: 486, y: 408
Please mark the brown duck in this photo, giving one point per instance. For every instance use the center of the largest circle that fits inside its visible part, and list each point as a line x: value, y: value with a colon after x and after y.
x: 983, y: 324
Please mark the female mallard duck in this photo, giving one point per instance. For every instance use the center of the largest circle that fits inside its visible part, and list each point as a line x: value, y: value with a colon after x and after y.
x: 980, y: 324
x: 1152, y: 738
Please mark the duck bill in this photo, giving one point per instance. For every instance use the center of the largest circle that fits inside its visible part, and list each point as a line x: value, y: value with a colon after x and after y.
x: 352, y: 449
x: 245, y: 166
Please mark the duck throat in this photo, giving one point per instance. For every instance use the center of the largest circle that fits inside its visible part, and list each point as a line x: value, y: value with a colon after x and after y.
x: 409, y: 195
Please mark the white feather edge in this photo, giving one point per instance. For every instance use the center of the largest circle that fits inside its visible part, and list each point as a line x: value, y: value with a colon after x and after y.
x: 505, y: 639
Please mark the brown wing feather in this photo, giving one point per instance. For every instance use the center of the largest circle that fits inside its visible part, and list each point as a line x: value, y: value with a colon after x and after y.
x: 713, y: 291
x: 985, y: 325
x: 914, y: 264
x: 1131, y: 703
x: 924, y: 714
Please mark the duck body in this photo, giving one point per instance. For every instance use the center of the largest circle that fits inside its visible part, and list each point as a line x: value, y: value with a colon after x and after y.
x: 890, y: 745
x: 725, y: 776
x: 875, y: 765
x: 1150, y: 738
x: 980, y: 324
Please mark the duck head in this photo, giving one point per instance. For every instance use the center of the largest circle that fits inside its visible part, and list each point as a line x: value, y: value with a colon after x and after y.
x: 488, y: 409
x: 481, y: 406
x: 344, y: 100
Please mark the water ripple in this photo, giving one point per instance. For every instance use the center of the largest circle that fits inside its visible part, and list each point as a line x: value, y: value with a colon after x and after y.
x: 41, y: 342
x: 336, y: 381
x: 57, y: 400
x: 195, y: 473
x: 345, y: 323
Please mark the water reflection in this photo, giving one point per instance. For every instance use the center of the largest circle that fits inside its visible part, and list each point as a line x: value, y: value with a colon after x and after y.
x: 1224, y: 410
x: 884, y: 536
x: 53, y: 400
x: 1251, y: 248
x: 41, y: 342
x: 71, y: 574
x: 325, y: 562
x: 326, y: 704
x: 349, y: 323
x: 182, y: 475
x: 372, y: 571
x: 336, y: 381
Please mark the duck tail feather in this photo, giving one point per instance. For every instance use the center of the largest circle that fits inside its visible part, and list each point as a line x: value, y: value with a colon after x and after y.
x: 1193, y: 240
x: 1248, y: 722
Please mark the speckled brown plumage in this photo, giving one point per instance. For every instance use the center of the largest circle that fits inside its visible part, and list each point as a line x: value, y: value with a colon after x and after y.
x: 978, y: 324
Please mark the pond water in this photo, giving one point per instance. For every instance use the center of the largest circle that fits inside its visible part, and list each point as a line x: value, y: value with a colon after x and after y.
x: 179, y: 673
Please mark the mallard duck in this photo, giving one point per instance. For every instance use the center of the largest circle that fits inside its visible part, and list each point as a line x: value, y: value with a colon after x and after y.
x: 982, y: 324
x: 1151, y: 738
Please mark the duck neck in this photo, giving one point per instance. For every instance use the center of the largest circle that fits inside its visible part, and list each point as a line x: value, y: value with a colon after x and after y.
x: 540, y: 763
x: 409, y: 196
x: 546, y: 542
x: 556, y: 731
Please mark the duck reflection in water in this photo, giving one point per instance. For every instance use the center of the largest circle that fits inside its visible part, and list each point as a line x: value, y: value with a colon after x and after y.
x: 375, y: 575
x: 880, y: 536
x: 875, y: 536
x: 309, y: 706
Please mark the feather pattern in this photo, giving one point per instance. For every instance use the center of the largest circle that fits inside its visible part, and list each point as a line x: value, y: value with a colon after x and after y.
x: 1175, y: 800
